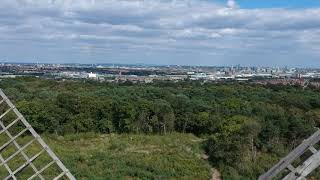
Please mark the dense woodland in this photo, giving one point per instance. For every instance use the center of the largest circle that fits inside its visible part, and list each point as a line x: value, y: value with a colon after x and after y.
x: 247, y: 127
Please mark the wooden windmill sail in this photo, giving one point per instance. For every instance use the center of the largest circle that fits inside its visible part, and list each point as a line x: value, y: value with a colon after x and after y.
x: 23, y: 153
x: 301, y: 171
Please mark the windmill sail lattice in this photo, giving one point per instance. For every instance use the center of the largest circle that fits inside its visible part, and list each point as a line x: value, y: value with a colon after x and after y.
x: 304, y: 168
x: 23, y: 153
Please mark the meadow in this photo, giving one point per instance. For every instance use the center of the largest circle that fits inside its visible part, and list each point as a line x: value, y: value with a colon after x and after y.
x: 113, y: 156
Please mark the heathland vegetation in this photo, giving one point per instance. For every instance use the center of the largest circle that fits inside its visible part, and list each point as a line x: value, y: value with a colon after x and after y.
x: 93, y: 156
x: 243, y: 128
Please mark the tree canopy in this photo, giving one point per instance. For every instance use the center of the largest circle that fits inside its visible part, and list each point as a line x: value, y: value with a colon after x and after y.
x: 244, y: 123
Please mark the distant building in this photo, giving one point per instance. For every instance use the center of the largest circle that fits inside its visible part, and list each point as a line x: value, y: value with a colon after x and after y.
x: 199, y: 76
x: 92, y: 76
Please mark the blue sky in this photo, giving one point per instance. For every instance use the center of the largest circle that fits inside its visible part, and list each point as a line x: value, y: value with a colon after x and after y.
x: 279, y: 3
x: 189, y: 32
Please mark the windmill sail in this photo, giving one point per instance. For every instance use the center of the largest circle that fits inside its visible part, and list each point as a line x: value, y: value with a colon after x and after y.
x: 302, y: 170
x: 23, y: 153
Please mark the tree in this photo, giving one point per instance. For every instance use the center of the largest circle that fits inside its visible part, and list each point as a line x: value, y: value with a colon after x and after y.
x: 235, y: 144
x: 123, y: 116
x: 165, y: 115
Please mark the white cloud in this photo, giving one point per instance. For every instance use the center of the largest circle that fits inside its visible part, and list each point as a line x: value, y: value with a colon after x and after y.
x: 232, y: 4
x: 165, y: 27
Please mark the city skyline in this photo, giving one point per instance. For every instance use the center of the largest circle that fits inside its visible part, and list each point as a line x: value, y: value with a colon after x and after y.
x: 188, y: 32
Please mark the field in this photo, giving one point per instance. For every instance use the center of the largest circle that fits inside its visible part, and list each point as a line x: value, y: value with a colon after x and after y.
x: 112, y: 156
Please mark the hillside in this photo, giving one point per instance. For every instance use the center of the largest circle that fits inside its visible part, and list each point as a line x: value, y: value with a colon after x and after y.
x: 92, y: 156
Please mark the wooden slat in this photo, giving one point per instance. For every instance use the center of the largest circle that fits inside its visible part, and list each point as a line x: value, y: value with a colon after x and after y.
x: 291, y: 168
x: 43, y: 169
x: 12, y: 139
x: 5, y: 113
x: 313, y: 150
x: 18, y: 147
x: 17, y: 152
x: 3, y: 100
x: 8, y: 169
x: 302, y: 171
x: 59, y: 176
x: 22, y: 167
x: 297, y: 152
x: 45, y: 147
x: 11, y: 124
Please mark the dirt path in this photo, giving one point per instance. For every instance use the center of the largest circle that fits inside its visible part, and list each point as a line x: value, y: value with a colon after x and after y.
x: 215, y: 174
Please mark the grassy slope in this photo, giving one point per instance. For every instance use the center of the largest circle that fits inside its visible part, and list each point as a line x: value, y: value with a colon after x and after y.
x: 174, y: 156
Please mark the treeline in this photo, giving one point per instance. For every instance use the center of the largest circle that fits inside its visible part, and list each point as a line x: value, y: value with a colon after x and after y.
x: 248, y: 127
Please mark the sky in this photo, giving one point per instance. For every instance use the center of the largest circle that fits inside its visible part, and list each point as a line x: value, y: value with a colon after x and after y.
x: 182, y: 32
x: 278, y: 3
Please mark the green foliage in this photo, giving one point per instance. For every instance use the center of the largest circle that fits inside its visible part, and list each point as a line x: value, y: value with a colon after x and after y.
x: 244, y: 122
x: 94, y: 156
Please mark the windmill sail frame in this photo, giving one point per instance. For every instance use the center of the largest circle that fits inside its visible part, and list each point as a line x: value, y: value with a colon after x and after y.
x: 304, y: 168
x: 20, y: 150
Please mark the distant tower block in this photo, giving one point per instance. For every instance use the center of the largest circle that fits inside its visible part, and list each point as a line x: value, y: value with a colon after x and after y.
x: 23, y: 153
